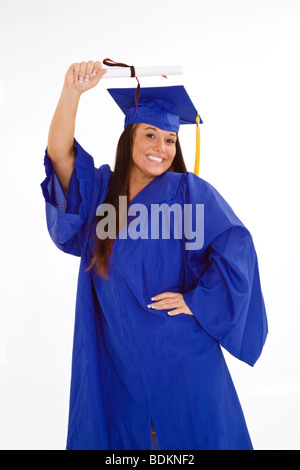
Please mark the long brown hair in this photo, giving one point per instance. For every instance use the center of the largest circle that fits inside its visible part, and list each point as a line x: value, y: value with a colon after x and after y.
x: 119, y: 186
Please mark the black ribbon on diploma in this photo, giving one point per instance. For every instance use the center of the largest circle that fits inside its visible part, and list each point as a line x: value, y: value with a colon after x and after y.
x: 112, y: 63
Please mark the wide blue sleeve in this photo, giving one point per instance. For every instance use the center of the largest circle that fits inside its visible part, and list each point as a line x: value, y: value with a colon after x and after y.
x: 68, y: 214
x: 226, y: 296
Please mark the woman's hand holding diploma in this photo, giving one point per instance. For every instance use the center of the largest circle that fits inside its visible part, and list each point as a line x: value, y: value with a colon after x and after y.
x: 83, y: 76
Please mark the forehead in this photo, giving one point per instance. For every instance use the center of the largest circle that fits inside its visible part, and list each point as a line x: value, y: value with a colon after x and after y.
x: 147, y: 127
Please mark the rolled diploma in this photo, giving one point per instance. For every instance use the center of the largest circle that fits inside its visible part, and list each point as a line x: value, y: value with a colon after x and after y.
x: 122, y: 72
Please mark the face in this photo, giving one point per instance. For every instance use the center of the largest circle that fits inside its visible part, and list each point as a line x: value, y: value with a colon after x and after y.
x: 153, y: 151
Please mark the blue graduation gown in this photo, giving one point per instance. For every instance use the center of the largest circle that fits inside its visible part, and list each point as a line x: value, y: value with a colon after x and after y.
x: 131, y: 363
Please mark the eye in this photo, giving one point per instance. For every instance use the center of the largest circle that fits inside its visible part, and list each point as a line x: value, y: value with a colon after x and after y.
x: 150, y: 136
x: 171, y: 141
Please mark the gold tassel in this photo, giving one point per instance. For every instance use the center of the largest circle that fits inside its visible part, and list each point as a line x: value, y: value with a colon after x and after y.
x: 197, y: 159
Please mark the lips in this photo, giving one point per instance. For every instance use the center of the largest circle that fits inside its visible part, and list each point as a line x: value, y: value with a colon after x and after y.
x: 152, y: 158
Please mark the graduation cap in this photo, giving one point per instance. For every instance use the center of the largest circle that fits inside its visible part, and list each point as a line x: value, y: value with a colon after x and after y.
x: 162, y: 107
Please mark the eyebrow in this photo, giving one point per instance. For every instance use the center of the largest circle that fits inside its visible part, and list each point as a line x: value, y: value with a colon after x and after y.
x: 154, y: 129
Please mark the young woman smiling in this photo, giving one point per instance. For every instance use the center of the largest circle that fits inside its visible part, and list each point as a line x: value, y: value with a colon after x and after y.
x: 151, y: 315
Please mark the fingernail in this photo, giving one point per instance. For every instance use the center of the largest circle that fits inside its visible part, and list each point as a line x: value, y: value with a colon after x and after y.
x: 152, y: 298
x: 81, y: 79
x: 87, y: 78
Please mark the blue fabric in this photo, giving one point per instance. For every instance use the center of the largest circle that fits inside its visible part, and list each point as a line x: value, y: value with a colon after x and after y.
x: 163, y: 107
x: 131, y: 363
x: 157, y: 113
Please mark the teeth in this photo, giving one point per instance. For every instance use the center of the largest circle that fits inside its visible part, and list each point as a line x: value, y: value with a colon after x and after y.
x: 155, y: 159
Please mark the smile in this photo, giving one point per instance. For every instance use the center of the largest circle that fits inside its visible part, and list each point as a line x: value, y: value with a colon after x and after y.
x: 155, y: 159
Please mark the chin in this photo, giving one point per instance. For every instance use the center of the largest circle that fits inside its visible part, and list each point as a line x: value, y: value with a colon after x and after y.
x: 157, y: 169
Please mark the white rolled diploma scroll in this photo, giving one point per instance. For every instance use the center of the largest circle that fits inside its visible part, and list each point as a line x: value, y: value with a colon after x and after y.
x: 125, y: 72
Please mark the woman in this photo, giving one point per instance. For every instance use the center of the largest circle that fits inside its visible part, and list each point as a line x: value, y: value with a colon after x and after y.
x: 151, y: 314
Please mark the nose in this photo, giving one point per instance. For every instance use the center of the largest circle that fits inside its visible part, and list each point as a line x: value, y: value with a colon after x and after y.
x: 159, y: 145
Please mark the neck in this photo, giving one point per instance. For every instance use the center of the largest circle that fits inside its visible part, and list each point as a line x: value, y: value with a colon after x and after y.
x: 137, y: 183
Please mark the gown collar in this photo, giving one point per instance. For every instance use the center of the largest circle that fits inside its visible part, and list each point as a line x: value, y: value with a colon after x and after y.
x: 162, y: 188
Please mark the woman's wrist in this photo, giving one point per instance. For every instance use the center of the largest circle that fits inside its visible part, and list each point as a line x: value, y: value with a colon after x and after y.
x: 71, y: 94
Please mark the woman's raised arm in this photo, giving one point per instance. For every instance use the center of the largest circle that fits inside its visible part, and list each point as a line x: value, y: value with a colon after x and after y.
x: 79, y: 78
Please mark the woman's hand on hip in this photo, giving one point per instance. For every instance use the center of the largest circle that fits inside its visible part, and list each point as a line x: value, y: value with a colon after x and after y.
x: 170, y: 300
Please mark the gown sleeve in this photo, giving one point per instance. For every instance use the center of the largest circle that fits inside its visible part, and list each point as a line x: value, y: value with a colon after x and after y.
x: 226, y: 296
x: 67, y: 214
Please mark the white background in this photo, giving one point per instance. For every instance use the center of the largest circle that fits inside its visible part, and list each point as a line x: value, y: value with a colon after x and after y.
x: 241, y: 67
